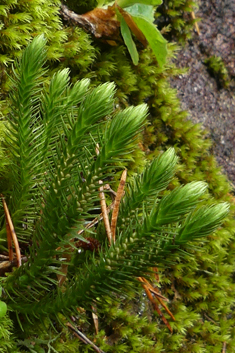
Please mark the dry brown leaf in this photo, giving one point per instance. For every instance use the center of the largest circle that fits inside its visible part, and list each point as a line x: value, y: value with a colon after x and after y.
x: 99, y: 22
x: 83, y: 338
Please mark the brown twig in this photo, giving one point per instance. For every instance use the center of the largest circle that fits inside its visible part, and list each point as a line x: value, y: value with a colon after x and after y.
x: 83, y: 338
x: 4, y: 258
x: 113, y: 194
x: 95, y: 319
x: 105, y: 213
x: 195, y: 24
x: 9, y: 241
x: 150, y: 287
x: 210, y: 319
x: 6, y: 265
x: 120, y: 193
x: 165, y: 307
x: 155, y: 306
x: 224, y: 347
x: 11, y: 233
x: 159, y: 297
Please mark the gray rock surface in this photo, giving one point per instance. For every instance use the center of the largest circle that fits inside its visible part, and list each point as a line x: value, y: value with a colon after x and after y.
x: 199, y: 92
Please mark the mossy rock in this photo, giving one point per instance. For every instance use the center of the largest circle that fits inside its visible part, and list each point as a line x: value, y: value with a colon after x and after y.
x: 200, y: 289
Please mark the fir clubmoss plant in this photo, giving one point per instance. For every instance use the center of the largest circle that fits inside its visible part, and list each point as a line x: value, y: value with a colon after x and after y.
x: 53, y: 137
x: 200, y: 285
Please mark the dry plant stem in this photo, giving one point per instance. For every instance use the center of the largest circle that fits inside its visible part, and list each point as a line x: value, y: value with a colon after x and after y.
x: 4, y: 258
x: 195, y: 24
x: 150, y: 287
x: 113, y: 194
x: 83, y: 338
x: 120, y: 193
x: 12, y: 232
x: 6, y: 266
x: 9, y: 238
x: 159, y: 297
x: 9, y: 241
x: 224, y: 347
x: 95, y: 319
x: 165, y: 307
x: 155, y: 306
x: 64, y: 269
x: 105, y: 213
x: 210, y: 319
x: 156, y: 274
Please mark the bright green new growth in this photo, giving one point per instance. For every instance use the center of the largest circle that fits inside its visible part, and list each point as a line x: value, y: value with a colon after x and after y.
x: 53, y: 137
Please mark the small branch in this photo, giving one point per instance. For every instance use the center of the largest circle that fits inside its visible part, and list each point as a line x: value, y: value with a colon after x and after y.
x: 159, y: 297
x: 120, y: 193
x: 103, y: 204
x: 210, y: 319
x: 224, y: 347
x: 4, y: 258
x: 9, y: 241
x: 83, y: 338
x: 155, y: 306
x: 113, y: 194
x: 95, y: 319
x: 6, y: 265
x: 150, y: 287
x: 105, y: 213
x: 195, y: 24
x: 12, y: 233
x: 165, y: 307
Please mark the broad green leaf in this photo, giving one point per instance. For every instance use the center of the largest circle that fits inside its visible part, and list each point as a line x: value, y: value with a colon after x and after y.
x: 3, y: 309
x: 126, y: 3
x: 126, y: 34
x: 141, y: 10
x: 156, y: 41
x: 132, y: 25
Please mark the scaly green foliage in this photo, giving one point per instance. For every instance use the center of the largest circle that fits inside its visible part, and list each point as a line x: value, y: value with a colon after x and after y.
x: 53, y: 136
x: 199, y: 286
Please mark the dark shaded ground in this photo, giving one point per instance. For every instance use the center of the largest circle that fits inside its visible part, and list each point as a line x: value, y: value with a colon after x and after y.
x: 199, y: 92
